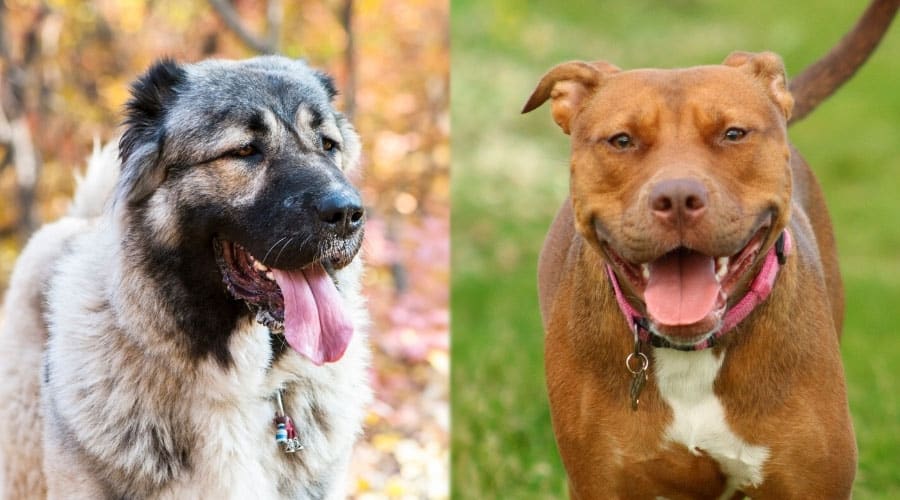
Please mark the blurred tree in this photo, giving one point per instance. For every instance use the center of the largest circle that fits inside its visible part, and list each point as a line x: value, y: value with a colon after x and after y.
x: 23, y: 93
x: 268, y: 43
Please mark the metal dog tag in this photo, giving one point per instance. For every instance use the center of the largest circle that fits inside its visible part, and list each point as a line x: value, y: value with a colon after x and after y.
x: 637, y: 385
x: 639, y: 375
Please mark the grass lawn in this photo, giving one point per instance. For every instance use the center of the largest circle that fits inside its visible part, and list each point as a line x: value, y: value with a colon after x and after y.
x: 509, y: 175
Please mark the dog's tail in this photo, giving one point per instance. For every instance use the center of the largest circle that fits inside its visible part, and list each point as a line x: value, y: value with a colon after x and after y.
x: 825, y: 76
x: 93, y: 190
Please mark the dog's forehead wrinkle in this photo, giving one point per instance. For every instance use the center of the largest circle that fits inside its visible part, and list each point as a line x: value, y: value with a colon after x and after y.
x: 622, y: 106
x: 679, y: 101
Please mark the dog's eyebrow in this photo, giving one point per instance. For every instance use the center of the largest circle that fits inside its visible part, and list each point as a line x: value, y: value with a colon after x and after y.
x: 257, y: 123
x: 310, y: 115
x: 316, y: 120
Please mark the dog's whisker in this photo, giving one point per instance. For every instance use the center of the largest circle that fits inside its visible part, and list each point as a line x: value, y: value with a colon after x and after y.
x: 306, y: 240
x: 283, y: 247
x: 272, y: 248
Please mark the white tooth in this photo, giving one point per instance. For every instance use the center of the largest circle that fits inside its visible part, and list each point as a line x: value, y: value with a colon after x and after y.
x: 721, y: 268
x: 645, y: 270
x: 259, y: 266
x: 270, y: 276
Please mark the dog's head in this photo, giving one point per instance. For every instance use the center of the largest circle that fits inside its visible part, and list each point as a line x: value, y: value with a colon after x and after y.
x: 679, y: 178
x: 244, y: 163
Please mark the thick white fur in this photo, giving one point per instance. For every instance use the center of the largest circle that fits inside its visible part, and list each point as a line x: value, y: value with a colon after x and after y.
x: 685, y: 381
x: 73, y: 265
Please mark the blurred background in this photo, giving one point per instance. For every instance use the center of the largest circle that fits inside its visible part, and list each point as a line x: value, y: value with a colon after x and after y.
x: 510, y: 174
x: 65, y: 67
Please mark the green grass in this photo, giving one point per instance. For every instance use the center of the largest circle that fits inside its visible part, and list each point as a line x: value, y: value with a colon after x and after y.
x: 510, y: 174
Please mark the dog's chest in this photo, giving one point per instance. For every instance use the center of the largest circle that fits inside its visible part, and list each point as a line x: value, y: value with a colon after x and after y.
x: 234, y: 446
x: 685, y: 381
x: 236, y: 454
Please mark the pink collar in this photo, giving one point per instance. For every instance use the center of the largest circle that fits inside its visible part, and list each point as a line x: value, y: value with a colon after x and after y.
x: 756, y: 295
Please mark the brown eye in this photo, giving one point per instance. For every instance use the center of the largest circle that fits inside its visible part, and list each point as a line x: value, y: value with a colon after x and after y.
x: 621, y: 141
x: 734, y: 134
x: 245, y: 151
x: 328, y: 144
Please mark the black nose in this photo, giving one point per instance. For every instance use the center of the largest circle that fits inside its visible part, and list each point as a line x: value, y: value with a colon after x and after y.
x: 341, y: 210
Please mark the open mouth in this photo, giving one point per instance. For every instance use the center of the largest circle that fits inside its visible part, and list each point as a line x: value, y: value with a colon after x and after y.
x: 684, y: 292
x: 302, y: 304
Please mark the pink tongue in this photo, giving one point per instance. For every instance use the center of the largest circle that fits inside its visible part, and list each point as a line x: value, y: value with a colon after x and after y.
x: 682, y: 289
x: 315, y: 324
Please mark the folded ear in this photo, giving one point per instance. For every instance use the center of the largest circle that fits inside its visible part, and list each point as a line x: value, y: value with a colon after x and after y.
x: 768, y: 68
x: 568, y: 84
x: 151, y: 96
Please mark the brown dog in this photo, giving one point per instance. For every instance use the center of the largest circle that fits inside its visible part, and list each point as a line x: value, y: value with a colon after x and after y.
x: 690, y: 287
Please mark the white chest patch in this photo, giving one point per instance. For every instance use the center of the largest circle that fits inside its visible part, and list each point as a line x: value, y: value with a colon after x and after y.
x: 685, y: 381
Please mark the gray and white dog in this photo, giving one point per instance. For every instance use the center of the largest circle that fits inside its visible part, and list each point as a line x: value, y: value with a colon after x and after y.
x: 158, y: 347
